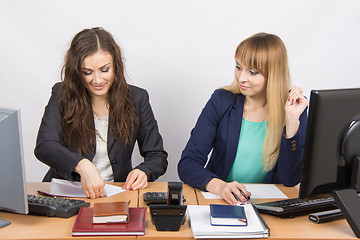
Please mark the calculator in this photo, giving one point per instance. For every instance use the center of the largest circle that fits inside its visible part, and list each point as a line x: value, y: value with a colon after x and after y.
x: 156, y: 198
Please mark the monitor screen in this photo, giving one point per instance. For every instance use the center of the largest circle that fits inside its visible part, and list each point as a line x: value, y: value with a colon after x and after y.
x: 12, y: 176
x: 330, y: 114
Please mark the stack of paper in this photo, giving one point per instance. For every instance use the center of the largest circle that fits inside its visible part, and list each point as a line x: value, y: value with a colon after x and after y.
x: 202, y: 228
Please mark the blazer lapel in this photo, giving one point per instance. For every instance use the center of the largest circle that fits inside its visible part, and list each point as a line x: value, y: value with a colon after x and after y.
x: 235, y: 121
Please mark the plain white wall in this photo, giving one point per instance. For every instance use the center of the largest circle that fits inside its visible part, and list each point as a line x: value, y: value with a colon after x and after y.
x: 180, y: 51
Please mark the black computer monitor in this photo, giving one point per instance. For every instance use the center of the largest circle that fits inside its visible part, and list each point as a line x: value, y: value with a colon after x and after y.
x: 13, y: 195
x: 331, y: 113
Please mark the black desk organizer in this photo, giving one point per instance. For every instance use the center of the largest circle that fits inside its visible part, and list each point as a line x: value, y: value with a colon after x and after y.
x: 348, y: 199
x: 349, y: 203
x: 170, y: 216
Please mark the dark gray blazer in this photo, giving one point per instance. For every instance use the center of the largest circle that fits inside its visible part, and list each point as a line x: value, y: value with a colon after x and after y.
x: 62, y: 160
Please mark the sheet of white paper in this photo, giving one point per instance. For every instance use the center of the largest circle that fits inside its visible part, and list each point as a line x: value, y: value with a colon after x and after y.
x: 209, y: 195
x: 262, y: 191
x: 112, y: 190
x: 61, y: 187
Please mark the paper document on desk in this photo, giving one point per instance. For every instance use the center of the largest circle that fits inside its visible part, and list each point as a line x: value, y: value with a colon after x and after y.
x: 261, y: 191
x: 65, y: 188
x: 202, y: 228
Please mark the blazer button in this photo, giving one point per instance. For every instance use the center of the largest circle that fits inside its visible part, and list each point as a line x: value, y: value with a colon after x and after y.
x: 294, y: 148
x: 293, y: 141
x: 113, y: 161
x: 294, y: 145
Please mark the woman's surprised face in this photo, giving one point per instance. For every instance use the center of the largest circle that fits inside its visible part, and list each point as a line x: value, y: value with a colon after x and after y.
x: 98, y: 73
x: 251, y: 82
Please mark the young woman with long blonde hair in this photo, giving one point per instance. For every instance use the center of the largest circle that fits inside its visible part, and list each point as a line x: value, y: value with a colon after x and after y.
x: 255, y: 127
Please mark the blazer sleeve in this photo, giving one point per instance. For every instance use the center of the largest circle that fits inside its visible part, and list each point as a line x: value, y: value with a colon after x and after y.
x: 49, y: 149
x: 289, y: 165
x: 195, y: 155
x: 149, y: 139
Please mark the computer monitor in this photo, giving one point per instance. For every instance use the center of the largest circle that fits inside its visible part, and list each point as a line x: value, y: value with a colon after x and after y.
x: 331, y: 113
x: 12, y: 175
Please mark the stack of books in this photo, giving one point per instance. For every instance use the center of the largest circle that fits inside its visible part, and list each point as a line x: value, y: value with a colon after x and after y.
x: 226, y: 221
x: 110, y: 219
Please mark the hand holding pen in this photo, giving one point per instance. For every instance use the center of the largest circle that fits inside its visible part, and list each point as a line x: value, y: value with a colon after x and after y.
x: 236, y: 193
x: 240, y: 202
x: 228, y: 191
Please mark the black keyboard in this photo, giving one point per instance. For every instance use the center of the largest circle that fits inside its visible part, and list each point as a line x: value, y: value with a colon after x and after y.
x: 54, y: 207
x: 295, y: 207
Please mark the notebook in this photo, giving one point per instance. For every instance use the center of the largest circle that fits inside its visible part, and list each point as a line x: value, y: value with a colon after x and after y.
x: 227, y: 215
x: 83, y: 225
x: 111, y: 212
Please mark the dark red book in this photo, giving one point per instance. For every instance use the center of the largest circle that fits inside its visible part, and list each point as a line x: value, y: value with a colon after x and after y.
x: 83, y: 225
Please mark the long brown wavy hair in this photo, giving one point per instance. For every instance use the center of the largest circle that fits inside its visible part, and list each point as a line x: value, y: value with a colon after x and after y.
x: 75, y: 101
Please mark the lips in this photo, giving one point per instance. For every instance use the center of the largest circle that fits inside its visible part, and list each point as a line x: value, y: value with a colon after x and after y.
x: 244, y: 87
x: 98, y: 87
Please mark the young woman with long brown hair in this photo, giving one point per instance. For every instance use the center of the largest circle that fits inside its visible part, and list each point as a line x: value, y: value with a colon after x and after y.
x: 94, y: 118
x: 255, y: 127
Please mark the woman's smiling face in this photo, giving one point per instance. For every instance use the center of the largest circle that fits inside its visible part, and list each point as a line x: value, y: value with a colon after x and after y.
x: 98, y: 73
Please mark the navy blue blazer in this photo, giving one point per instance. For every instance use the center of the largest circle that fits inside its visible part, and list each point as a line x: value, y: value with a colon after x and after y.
x: 62, y: 160
x: 218, y: 129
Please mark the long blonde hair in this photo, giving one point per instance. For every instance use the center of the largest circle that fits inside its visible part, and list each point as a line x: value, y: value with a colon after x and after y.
x: 267, y: 54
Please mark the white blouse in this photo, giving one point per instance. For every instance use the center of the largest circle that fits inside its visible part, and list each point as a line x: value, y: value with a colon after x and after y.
x: 101, y: 158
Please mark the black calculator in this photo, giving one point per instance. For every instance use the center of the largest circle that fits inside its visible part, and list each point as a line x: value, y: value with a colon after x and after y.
x: 156, y: 198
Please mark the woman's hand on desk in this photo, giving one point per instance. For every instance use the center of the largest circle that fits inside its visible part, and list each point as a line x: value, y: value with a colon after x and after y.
x: 226, y: 190
x: 91, y: 180
x: 136, y: 180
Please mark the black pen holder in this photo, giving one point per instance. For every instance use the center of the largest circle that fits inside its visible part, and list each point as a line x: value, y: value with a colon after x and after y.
x: 168, y: 217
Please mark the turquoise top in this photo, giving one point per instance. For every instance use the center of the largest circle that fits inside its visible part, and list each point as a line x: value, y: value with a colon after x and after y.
x: 248, y: 165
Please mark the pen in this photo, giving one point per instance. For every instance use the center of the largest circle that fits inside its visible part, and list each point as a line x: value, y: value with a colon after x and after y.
x: 237, y: 199
x: 46, y: 194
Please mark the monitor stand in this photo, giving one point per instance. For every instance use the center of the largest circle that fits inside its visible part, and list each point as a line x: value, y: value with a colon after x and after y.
x: 4, y: 223
x: 348, y: 200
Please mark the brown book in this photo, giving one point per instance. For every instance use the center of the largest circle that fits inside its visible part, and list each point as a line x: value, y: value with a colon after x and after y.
x: 84, y: 227
x: 111, y: 212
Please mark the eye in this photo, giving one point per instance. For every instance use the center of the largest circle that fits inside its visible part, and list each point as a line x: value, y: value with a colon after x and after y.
x: 238, y: 67
x: 87, y: 73
x: 105, y: 69
x: 253, y: 72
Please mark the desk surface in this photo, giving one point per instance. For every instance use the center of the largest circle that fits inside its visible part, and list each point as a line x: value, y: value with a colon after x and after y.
x: 39, y: 227
x: 296, y: 228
